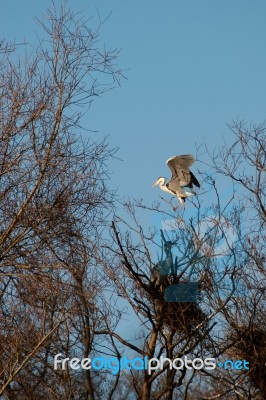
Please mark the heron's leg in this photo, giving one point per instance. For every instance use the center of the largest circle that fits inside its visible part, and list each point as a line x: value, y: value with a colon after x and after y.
x: 175, y: 207
x: 180, y: 199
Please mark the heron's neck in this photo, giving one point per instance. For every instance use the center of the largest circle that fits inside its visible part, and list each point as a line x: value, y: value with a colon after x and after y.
x: 162, y: 184
x: 164, y: 187
x: 169, y: 257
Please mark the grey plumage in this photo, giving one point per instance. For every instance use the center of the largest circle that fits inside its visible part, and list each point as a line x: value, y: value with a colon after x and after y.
x: 181, y: 174
x: 160, y: 271
x: 181, y: 177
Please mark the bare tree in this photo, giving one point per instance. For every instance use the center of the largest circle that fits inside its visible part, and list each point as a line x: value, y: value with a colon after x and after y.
x: 218, y: 253
x: 54, y: 201
x: 244, y: 163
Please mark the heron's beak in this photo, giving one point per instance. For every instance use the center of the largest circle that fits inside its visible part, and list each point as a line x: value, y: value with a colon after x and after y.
x: 155, y: 183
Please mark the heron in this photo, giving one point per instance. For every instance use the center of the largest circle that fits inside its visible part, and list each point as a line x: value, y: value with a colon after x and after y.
x: 181, y: 177
x: 160, y: 271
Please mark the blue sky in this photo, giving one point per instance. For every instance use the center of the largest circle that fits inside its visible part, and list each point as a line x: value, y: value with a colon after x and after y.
x: 192, y: 67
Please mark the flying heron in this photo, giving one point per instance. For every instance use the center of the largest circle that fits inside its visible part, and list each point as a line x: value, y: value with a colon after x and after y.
x: 181, y: 177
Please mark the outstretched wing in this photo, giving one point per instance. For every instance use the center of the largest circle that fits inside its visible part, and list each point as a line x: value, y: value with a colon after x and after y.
x: 180, y: 162
x: 179, y: 166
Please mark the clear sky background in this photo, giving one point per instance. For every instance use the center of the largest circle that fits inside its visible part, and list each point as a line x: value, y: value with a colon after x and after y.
x: 192, y: 67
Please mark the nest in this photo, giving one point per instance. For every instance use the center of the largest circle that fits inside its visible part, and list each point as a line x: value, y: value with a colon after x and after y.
x: 184, y: 316
x: 251, y: 346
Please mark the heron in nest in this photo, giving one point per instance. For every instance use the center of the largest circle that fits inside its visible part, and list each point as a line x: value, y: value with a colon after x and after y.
x: 181, y: 178
x: 160, y: 271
